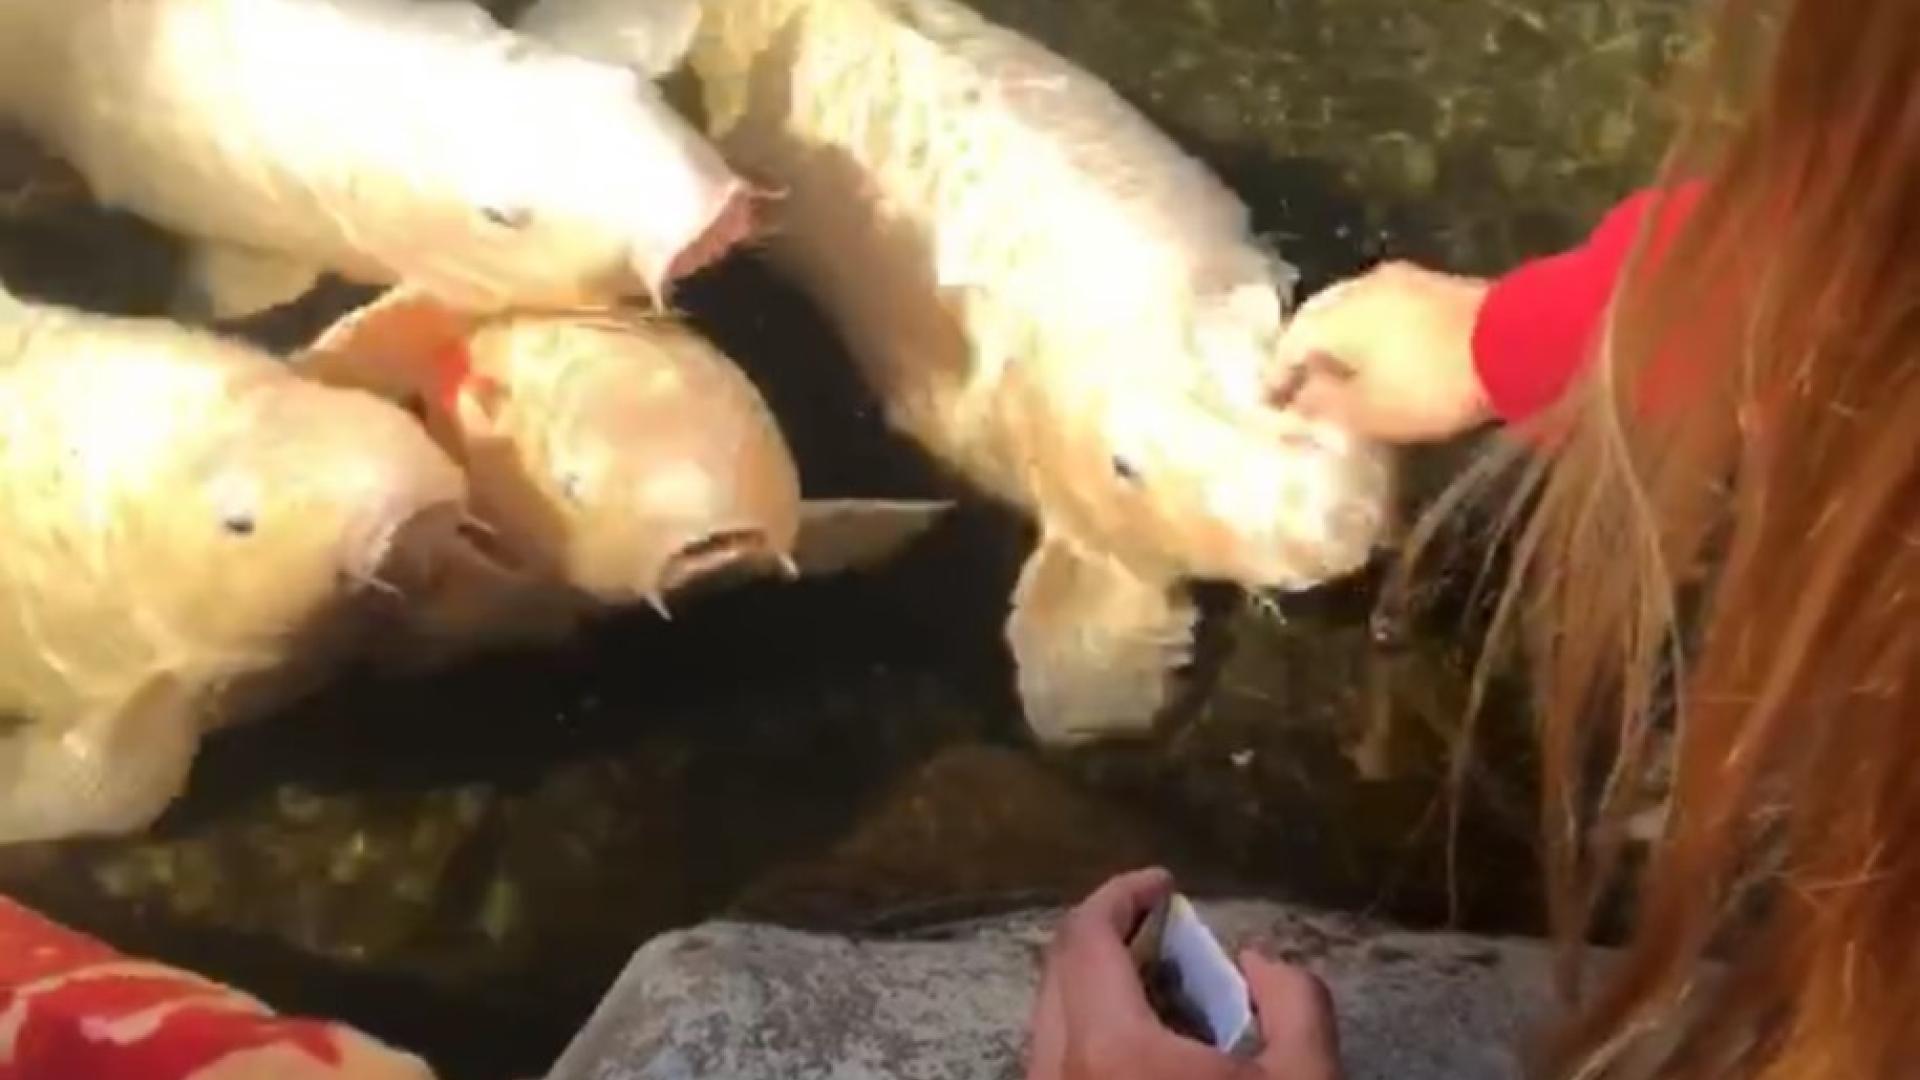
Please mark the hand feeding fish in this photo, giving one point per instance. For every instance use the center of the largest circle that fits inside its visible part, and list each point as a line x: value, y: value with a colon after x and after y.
x: 193, y: 534
x: 1049, y: 295
x: 615, y: 458
x: 383, y: 140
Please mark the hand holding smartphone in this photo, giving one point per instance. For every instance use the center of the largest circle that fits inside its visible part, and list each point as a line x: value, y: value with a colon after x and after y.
x: 1190, y: 981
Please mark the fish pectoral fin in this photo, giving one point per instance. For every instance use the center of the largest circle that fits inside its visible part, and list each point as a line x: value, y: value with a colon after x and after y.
x: 393, y: 346
x: 110, y: 770
x: 1095, y: 648
x: 225, y: 282
x: 842, y: 535
x: 649, y: 36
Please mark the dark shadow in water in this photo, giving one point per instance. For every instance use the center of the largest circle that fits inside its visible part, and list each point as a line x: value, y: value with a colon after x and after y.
x: 78, y: 256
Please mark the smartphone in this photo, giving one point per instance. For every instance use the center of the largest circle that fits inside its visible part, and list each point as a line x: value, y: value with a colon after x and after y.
x: 1191, y: 983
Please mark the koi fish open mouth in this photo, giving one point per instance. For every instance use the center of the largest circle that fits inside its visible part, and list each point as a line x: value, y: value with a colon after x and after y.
x: 715, y: 559
x: 737, y: 223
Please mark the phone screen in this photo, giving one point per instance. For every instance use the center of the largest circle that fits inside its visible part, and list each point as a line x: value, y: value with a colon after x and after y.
x: 1192, y: 985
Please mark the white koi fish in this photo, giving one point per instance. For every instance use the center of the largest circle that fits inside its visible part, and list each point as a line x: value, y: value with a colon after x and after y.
x: 1050, y: 296
x: 615, y: 458
x: 387, y: 141
x: 192, y: 534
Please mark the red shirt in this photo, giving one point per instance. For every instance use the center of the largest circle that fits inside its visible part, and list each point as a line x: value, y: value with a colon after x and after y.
x: 1536, y: 328
x: 71, y: 1008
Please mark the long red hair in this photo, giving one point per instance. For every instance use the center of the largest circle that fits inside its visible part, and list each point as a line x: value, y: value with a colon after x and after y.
x: 1748, y: 563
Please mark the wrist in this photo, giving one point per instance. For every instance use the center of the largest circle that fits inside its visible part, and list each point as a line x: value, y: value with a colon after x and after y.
x: 1466, y: 298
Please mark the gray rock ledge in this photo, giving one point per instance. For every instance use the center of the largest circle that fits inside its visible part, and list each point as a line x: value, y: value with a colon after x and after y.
x: 734, y: 1001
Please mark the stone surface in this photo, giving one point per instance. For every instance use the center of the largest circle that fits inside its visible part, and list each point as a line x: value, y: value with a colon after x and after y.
x: 745, y: 1001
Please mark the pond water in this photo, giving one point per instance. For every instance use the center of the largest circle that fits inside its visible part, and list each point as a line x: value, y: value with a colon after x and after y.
x: 462, y: 864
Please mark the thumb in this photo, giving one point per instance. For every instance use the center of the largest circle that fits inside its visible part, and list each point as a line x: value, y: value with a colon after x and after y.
x: 1296, y: 1020
x: 1323, y: 324
x: 1307, y: 333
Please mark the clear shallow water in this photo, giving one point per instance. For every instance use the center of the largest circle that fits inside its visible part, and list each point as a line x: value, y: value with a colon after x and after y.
x: 462, y: 864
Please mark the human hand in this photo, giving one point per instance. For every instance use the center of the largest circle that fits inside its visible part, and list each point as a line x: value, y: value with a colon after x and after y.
x: 1388, y: 353
x: 1092, y: 1021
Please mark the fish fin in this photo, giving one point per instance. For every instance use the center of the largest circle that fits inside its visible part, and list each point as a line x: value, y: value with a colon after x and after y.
x: 110, y: 770
x: 391, y: 346
x: 226, y: 282
x: 841, y: 535
x: 1095, y: 647
x: 649, y: 36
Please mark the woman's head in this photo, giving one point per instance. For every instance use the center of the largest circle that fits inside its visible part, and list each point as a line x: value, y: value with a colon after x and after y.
x: 1750, y: 442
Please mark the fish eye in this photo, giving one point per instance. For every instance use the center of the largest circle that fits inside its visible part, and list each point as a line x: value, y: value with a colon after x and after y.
x: 236, y: 499
x: 1125, y: 470
x: 571, y: 485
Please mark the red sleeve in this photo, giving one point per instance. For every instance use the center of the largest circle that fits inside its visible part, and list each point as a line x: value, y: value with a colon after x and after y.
x: 1536, y: 326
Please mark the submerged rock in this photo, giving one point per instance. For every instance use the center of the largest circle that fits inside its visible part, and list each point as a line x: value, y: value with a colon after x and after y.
x: 976, y: 829
x: 747, y: 1001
